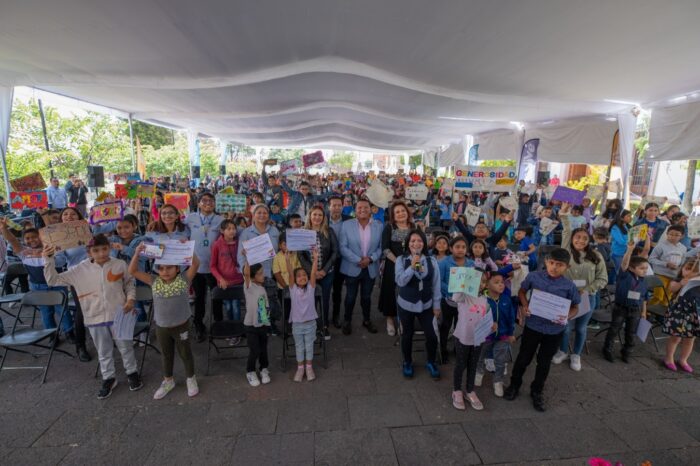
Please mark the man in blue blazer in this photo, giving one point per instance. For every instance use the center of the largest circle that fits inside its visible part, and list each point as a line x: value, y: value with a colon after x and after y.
x: 361, y: 250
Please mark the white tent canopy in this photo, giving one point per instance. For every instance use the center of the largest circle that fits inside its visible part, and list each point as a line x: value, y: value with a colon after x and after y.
x: 395, y: 74
x: 501, y: 144
x: 674, y: 132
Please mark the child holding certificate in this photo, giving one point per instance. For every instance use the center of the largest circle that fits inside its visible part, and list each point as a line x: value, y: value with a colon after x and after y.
x: 554, y: 300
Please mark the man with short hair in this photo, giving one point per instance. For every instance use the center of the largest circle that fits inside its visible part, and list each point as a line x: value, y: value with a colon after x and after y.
x: 57, y: 196
x: 335, y: 222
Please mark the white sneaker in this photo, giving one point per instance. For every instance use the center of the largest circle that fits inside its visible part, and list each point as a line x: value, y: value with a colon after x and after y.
x: 560, y: 357
x: 478, y: 379
x: 265, y: 376
x: 498, y: 389
x: 490, y: 365
x: 165, y: 387
x: 575, y: 362
x: 192, y: 387
x: 253, y: 379
x: 390, y: 327
x: 299, y: 374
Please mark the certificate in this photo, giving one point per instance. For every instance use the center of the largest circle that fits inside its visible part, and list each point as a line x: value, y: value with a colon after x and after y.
x: 547, y: 225
x: 300, y: 239
x: 549, y: 306
x: 643, y: 329
x: 584, y: 307
x: 124, y: 323
x: 176, y: 252
x: 259, y: 249
x: 483, y: 328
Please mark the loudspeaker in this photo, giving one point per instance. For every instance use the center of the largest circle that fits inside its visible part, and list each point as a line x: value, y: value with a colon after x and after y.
x: 195, y: 169
x: 96, y: 176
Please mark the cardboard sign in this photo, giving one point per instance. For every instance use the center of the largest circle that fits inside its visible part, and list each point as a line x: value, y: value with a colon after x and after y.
x: 547, y: 225
x: 31, y: 200
x: 235, y: 203
x: 33, y: 182
x: 570, y: 195
x: 145, y: 190
x: 120, y: 191
x: 67, y: 235
x: 270, y: 162
x: 693, y: 226
x: 509, y: 202
x: 417, y: 193
x: 379, y: 195
x: 615, y: 186
x: 312, y: 158
x: 595, y: 192
x: 108, y: 212
x: 638, y: 233
x: 494, y: 179
x: 472, y: 213
x: 290, y: 166
x: 181, y: 201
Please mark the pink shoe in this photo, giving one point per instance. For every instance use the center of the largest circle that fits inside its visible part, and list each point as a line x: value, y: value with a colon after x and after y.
x: 686, y: 367
x: 458, y: 400
x: 671, y: 366
x: 310, y: 374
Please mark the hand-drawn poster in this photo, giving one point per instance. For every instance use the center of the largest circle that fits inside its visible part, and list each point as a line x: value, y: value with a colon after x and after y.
x: 107, y: 212
x: 180, y: 200
x: 312, y: 158
x: 66, y: 235
x: 33, y: 182
x: 31, y: 200
x: 235, y: 203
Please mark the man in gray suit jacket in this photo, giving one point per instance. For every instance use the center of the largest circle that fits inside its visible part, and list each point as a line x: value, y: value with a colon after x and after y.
x: 361, y: 250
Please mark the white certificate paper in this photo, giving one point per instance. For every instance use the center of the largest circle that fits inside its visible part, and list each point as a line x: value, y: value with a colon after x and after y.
x: 643, y: 329
x: 124, y: 323
x: 176, y: 252
x: 258, y: 249
x: 483, y: 328
x: 549, y: 306
x: 301, y: 240
x: 584, y: 307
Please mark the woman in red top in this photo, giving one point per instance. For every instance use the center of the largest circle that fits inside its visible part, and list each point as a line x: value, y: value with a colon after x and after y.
x: 224, y: 267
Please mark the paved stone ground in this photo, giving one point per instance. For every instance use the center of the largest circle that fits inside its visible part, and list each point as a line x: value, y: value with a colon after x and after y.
x: 359, y: 411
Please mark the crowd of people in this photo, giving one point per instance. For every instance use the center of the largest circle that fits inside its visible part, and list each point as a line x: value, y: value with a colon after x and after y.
x: 572, y: 252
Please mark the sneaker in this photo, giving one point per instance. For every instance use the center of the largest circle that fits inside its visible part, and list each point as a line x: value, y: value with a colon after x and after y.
x: 474, y: 401
x: 369, y: 326
x: 192, y: 387
x: 336, y: 321
x: 235, y: 341
x: 490, y: 365
x: 510, y: 393
x: 560, y: 357
x: 107, y: 387
x: 478, y: 379
x: 625, y: 356
x: 433, y: 369
x: 498, y: 389
x: 274, y: 331
x: 575, y: 362
x: 299, y: 375
x: 265, y: 376
x: 390, y: 327
x: 310, y: 374
x: 407, y: 370
x: 135, y: 382
x: 83, y: 354
x: 347, y: 328
x: 538, y: 402
x: 166, y: 387
x: 458, y: 400
x: 252, y: 379
x: 326, y: 334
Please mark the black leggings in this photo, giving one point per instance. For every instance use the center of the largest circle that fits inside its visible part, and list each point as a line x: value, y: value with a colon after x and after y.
x: 407, y: 329
x: 449, y: 317
x: 200, y: 283
x: 257, y: 345
x: 176, y: 338
x: 467, y: 358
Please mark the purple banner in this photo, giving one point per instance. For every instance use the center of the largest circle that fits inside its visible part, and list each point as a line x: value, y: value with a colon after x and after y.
x: 572, y: 196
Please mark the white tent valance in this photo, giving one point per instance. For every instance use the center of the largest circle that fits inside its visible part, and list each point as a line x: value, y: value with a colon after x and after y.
x: 579, y: 140
x: 503, y: 144
x: 453, y: 155
x: 674, y: 132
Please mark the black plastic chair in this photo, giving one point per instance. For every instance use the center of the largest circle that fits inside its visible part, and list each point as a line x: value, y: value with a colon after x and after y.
x: 226, y: 329
x: 656, y: 313
x: 288, y: 338
x: 30, y: 336
x: 14, y: 270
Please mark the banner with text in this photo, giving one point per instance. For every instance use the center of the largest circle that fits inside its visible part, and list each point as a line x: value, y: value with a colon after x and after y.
x: 474, y: 178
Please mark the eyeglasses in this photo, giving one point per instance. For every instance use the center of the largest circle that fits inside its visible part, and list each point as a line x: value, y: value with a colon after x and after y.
x: 206, y: 201
x: 169, y: 213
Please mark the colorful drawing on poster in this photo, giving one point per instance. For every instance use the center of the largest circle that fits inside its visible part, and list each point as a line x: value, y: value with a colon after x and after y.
x: 30, y: 200
x: 290, y: 166
x: 570, y: 195
x: 107, y: 212
x: 67, y: 235
x: 312, y: 158
x: 235, y: 203
x: 33, y: 182
x: 181, y: 201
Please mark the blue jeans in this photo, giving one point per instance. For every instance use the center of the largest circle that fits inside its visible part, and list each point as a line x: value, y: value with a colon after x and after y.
x: 617, y: 260
x: 232, y: 309
x: 363, y: 282
x: 580, y: 326
x: 326, y: 284
x: 47, y: 312
x: 304, y: 336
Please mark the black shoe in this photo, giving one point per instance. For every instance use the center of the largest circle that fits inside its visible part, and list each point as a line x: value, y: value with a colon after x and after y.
x: 608, y: 355
x: 200, y: 334
x: 510, y: 393
x: 347, y: 328
x: 274, y: 331
x: 107, y: 387
x: 444, y: 358
x: 83, y: 354
x: 135, y: 382
x: 54, y: 341
x: 70, y: 337
x: 326, y: 334
x: 336, y: 321
x: 369, y: 326
x: 625, y: 356
x: 538, y: 402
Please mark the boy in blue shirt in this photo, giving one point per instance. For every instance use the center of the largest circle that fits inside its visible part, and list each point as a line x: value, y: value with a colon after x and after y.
x: 527, y: 246
x: 542, y: 336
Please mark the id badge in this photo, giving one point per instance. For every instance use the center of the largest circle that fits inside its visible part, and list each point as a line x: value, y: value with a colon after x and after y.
x: 580, y: 283
x: 205, y: 243
x: 633, y: 295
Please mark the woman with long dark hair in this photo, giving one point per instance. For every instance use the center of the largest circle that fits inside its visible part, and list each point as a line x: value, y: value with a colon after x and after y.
x: 619, y: 230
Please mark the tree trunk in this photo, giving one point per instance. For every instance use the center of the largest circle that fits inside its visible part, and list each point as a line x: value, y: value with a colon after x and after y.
x: 690, y: 186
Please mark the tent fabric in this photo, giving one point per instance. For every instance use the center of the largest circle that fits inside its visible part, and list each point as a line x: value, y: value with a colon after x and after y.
x: 454, y: 154
x: 627, y: 123
x: 581, y: 140
x: 503, y: 144
x: 6, y: 93
x: 389, y: 75
x: 674, y: 132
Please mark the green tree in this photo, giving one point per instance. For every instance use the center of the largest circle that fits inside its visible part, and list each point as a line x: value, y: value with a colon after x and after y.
x: 152, y: 135
x: 342, y: 161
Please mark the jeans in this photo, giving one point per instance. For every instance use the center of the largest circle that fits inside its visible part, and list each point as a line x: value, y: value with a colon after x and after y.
x: 617, y: 260
x: 580, y: 327
x: 500, y: 351
x: 326, y: 284
x: 629, y: 316
x: 304, y: 336
x: 200, y: 284
x: 273, y: 298
x: 545, y: 346
x: 407, y: 320
x: 232, y: 309
x: 257, y: 347
x: 176, y: 338
x: 48, y: 313
x: 467, y: 358
x: 365, y: 283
